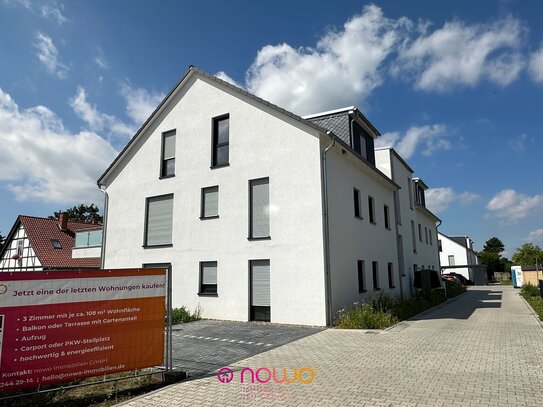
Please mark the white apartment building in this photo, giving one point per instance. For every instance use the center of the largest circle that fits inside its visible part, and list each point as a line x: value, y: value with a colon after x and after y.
x: 262, y: 214
x: 458, y: 251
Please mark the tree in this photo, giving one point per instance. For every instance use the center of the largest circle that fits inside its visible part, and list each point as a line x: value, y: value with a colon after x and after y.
x: 494, y: 245
x: 82, y: 213
x: 491, y: 257
x: 528, y: 255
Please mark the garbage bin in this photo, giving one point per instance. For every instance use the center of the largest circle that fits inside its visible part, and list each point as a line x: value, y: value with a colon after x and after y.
x: 541, y: 288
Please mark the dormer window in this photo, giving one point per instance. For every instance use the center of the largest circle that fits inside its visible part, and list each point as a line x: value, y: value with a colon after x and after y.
x: 56, y: 244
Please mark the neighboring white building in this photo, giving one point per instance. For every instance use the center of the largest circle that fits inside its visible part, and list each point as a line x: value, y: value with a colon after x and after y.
x: 458, y: 251
x: 262, y: 214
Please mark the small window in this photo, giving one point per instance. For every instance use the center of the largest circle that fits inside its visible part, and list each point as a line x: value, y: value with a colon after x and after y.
x: 158, y: 221
x: 168, y: 154
x: 221, y: 141
x: 208, y: 278
x: 387, y: 214
x: 430, y: 237
x: 361, y: 276
x: 390, y: 268
x: 451, y: 260
x: 259, y: 209
x: 413, y: 236
x: 410, y: 192
x: 420, y: 233
x: 439, y: 245
x: 371, y: 206
x: 210, y: 203
x: 56, y: 244
x: 20, y: 246
x: 356, y: 202
x: 375, y: 272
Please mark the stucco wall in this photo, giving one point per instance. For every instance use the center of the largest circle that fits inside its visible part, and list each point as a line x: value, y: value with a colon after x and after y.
x: 261, y: 145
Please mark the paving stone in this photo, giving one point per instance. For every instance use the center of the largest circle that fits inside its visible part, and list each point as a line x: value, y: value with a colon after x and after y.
x: 484, y: 348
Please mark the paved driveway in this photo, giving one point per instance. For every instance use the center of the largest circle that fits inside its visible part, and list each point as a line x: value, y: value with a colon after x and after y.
x: 482, y: 349
x: 204, y: 346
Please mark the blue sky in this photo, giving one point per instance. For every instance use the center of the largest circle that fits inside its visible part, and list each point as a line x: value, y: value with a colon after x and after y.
x: 456, y: 87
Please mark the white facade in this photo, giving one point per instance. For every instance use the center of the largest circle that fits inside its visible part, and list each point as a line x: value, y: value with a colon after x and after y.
x: 264, y: 142
x: 19, y: 255
x: 458, y: 251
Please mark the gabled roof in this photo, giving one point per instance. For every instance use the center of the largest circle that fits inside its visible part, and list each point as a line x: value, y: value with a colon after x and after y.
x: 191, y: 71
x: 41, y: 231
x: 308, y: 124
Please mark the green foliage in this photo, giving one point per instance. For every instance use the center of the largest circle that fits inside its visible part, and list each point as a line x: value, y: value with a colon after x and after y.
x: 528, y: 255
x: 364, y: 316
x: 384, y: 311
x: 454, y: 289
x: 494, y: 245
x: 529, y: 290
x: 506, y: 282
x: 532, y: 297
x: 82, y: 213
x: 183, y: 315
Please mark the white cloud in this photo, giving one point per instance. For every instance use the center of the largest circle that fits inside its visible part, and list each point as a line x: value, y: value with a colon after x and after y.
x: 342, y: 69
x: 224, y: 76
x: 519, y: 143
x: 96, y: 120
x: 54, y: 14
x: 42, y: 161
x: 462, y: 54
x: 536, y: 65
x: 101, y: 62
x: 512, y: 206
x: 140, y: 103
x: 431, y: 137
x: 535, y: 236
x: 439, y: 199
x: 48, y: 55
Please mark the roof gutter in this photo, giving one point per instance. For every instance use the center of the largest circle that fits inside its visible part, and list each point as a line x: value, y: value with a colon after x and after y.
x: 104, y: 226
x: 326, y: 230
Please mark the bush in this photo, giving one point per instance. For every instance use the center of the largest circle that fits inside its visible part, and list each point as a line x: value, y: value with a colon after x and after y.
x: 531, y: 295
x: 506, y: 282
x: 182, y: 315
x: 529, y: 290
x: 364, y: 316
x: 454, y: 289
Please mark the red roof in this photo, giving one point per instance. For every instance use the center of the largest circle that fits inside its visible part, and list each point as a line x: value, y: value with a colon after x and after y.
x: 41, y: 231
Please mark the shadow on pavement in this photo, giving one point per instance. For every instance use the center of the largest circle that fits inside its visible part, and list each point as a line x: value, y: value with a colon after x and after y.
x: 462, y: 307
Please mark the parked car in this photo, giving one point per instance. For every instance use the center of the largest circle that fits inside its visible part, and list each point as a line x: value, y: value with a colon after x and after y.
x: 451, y: 277
x: 464, y: 280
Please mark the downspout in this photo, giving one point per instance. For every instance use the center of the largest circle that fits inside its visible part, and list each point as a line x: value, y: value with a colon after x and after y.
x: 326, y: 227
x: 104, y: 226
x: 439, y: 258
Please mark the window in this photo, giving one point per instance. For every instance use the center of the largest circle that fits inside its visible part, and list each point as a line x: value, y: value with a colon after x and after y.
x: 430, y: 236
x: 390, y: 269
x: 420, y: 233
x: 410, y: 192
x: 451, y: 260
x: 167, y: 168
x: 210, y: 203
x: 356, y: 202
x: 426, y: 234
x: 440, y: 247
x: 20, y: 246
x: 208, y: 278
x: 371, y: 206
x: 259, y: 211
x: 387, y: 221
x: 221, y: 140
x: 413, y: 237
x: 375, y: 272
x: 260, y: 293
x: 56, y: 244
x: 361, y: 276
x: 88, y: 238
x: 158, y: 221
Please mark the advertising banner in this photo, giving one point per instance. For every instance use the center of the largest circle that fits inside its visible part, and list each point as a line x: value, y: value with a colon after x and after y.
x: 67, y: 325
